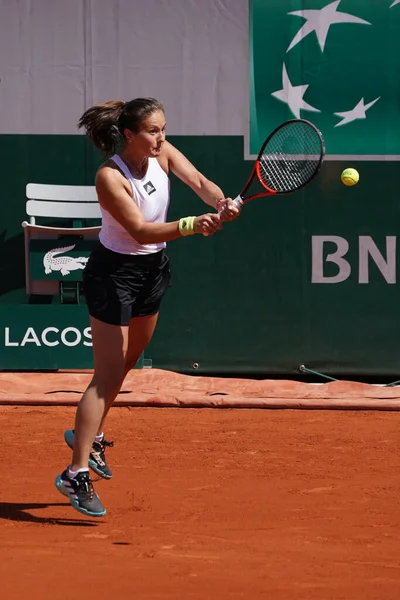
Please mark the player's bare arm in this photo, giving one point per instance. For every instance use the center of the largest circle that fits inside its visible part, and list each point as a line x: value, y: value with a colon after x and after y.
x: 207, y: 190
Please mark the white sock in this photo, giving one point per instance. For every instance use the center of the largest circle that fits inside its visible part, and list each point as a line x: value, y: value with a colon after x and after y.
x: 73, y: 474
x: 99, y: 438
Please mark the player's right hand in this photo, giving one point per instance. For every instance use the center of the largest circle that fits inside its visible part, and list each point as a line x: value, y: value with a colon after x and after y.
x: 207, y: 224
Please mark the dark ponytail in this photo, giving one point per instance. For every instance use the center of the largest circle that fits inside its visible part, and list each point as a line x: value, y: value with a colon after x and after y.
x: 101, y: 125
x: 105, y: 124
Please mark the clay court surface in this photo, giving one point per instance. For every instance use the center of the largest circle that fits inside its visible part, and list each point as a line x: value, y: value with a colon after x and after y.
x: 206, y: 503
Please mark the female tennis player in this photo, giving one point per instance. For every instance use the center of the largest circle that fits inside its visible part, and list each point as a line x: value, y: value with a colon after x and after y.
x: 128, y: 271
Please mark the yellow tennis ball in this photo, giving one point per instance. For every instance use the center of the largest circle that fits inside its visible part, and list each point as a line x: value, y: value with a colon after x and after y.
x: 350, y: 177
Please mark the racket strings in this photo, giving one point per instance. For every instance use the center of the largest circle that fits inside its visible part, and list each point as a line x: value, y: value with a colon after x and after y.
x: 291, y: 157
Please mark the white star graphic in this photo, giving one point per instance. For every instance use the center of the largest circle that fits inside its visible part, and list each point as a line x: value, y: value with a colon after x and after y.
x: 293, y: 95
x: 358, y: 112
x: 320, y: 21
x: 394, y: 3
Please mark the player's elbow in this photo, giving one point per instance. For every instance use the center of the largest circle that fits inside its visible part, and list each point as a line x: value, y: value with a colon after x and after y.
x: 139, y: 234
x: 143, y: 233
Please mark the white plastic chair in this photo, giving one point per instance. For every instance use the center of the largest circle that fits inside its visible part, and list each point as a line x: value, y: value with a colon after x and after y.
x: 74, y: 203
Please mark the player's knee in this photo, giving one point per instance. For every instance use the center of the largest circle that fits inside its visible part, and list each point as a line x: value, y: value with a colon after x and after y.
x: 108, y: 384
x: 130, y: 363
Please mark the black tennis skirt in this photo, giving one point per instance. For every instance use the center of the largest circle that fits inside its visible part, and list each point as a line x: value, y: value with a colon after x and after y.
x: 118, y: 287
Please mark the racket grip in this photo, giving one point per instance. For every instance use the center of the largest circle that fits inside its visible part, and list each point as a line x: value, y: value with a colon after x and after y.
x: 237, y: 202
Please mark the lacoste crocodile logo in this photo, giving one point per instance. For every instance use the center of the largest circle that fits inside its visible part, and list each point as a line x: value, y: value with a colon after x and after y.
x: 64, y: 264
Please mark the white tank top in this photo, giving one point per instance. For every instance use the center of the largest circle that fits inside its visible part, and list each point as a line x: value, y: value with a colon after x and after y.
x: 151, y: 194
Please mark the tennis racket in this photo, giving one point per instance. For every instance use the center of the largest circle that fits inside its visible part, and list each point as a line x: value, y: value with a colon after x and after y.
x: 289, y: 159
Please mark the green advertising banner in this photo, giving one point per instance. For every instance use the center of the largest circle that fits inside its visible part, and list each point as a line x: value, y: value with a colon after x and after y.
x: 336, y: 64
x: 45, y: 337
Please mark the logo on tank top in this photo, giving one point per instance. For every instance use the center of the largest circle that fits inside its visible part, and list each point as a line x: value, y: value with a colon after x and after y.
x: 149, y: 187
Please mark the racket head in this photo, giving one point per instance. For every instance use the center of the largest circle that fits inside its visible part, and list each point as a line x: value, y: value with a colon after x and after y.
x: 290, y: 157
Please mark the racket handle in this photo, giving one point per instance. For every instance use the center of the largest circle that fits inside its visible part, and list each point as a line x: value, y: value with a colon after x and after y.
x: 237, y: 202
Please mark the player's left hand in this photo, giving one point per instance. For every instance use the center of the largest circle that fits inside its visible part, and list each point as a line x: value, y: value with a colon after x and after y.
x: 227, y: 210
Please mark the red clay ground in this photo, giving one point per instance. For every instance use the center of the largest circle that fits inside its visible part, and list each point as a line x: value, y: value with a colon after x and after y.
x: 206, y: 503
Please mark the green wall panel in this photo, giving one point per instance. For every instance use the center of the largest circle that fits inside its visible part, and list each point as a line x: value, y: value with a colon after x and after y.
x: 242, y: 301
